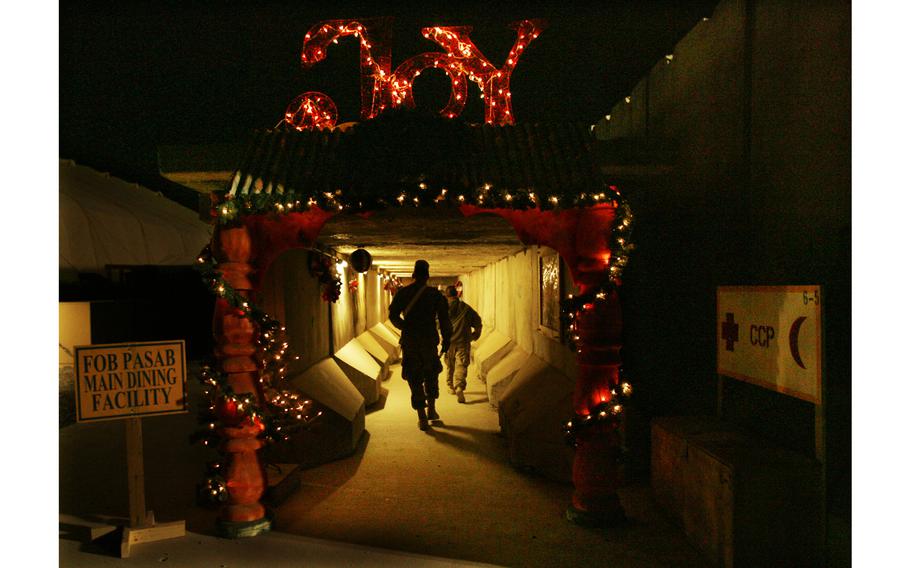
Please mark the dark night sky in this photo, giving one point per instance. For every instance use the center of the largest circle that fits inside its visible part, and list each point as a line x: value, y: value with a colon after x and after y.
x: 134, y: 76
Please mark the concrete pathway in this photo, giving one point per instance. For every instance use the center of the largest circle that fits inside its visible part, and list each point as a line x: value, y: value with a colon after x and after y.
x: 451, y: 492
x: 446, y: 497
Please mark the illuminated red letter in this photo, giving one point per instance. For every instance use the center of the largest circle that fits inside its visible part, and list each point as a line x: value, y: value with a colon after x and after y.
x: 400, y: 85
x: 494, y: 83
x: 380, y: 88
x: 311, y: 110
x: 375, y: 55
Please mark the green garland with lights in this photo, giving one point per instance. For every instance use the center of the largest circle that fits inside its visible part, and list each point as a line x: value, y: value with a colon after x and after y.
x: 621, y: 247
x: 229, y: 208
x: 608, y: 412
x: 282, y: 412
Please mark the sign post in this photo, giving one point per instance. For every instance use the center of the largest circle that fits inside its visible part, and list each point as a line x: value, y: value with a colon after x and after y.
x: 128, y: 381
x: 773, y: 337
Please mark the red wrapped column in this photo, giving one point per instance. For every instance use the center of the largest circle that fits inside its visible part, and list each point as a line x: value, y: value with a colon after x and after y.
x: 596, y: 469
x: 242, y: 514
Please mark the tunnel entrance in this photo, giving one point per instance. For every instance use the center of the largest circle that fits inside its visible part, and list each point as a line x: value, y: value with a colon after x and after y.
x: 556, y: 201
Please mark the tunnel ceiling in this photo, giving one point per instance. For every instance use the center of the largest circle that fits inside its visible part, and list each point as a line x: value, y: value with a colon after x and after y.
x: 451, y: 243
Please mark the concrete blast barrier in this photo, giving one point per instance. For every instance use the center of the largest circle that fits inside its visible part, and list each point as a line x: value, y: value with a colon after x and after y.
x: 391, y: 327
x: 333, y: 435
x: 361, y: 369
x: 531, y: 414
x: 489, y: 351
x: 501, y: 374
x: 388, y: 341
x: 376, y: 350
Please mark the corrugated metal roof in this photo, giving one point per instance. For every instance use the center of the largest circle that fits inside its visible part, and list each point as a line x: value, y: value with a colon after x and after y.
x: 376, y: 160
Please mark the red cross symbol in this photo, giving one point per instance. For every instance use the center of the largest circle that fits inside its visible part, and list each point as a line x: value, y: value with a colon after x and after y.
x: 729, y: 331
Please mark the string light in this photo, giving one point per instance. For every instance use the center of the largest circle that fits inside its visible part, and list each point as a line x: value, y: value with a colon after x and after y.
x: 227, y: 408
x: 381, y: 88
x: 375, y: 57
x: 311, y: 110
x: 607, y: 412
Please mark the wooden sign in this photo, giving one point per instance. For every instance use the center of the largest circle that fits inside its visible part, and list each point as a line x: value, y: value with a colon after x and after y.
x: 123, y: 380
x: 771, y: 336
x: 132, y: 380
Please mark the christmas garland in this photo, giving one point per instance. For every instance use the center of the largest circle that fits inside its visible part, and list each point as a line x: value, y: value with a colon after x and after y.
x: 620, y: 248
x: 230, y: 206
x: 393, y: 283
x: 607, y: 412
x: 283, y: 411
x: 322, y: 268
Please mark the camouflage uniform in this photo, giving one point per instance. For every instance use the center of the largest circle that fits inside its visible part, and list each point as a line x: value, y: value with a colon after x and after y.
x: 466, y: 327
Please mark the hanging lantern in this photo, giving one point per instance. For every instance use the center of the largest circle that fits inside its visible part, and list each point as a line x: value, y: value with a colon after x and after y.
x: 361, y: 260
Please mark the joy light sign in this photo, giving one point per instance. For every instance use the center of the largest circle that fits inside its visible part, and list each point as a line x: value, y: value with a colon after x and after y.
x: 381, y: 88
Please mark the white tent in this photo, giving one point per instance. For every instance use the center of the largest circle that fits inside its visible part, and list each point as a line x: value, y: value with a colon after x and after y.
x: 107, y: 221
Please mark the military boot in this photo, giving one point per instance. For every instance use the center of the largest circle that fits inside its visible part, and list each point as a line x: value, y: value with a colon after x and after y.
x: 459, y: 393
x: 431, y: 410
x: 422, y: 421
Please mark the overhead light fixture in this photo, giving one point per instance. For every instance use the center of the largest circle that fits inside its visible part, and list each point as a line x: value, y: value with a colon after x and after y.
x: 361, y: 260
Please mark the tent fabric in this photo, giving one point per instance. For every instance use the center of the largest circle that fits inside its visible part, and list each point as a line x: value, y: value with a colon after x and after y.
x: 108, y: 221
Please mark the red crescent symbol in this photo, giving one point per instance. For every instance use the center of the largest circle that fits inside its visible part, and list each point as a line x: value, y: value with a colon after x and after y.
x: 794, y: 340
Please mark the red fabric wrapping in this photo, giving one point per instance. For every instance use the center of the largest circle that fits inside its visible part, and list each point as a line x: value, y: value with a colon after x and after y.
x: 273, y: 234
x: 580, y: 236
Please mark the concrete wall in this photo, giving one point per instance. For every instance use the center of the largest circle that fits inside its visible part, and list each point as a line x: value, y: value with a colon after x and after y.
x: 346, y: 312
x: 290, y: 294
x: 316, y: 331
x: 293, y: 297
x: 532, y: 384
x: 753, y: 115
x: 506, y: 296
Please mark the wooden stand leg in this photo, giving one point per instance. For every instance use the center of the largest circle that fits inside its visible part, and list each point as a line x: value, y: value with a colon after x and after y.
x: 156, y: 532
x: 142, y: 527
x: 135, y: 471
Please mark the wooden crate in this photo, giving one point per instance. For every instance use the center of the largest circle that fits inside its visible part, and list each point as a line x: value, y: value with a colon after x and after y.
x: 742, y: 502
x: 669, y: 450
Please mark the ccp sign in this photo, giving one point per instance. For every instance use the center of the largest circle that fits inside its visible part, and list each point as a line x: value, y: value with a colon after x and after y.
x: 771, y: 336
x: 125, y: 380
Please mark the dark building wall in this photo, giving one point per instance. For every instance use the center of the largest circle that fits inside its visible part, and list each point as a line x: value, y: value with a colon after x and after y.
x: 753, y: 115
x: 149, y: 303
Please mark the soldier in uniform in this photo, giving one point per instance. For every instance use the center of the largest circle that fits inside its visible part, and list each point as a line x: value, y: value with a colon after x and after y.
x: 415, y: 310
x: 466, y: 327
